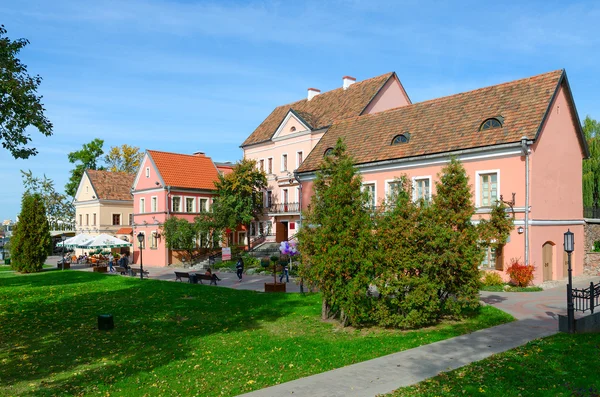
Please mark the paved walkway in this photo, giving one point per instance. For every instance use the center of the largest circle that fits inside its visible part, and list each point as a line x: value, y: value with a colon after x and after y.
x: 537, y: 315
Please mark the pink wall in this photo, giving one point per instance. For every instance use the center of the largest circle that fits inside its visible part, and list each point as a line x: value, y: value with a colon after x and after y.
x: 556, y: 166
x: 292, y: 122
x: 391, y: 95
x: 555, y: 234
x: 143, y: 182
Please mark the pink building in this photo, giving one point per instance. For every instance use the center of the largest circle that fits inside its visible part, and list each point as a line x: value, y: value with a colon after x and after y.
x: 520, y: 141
x: 167, y: 185
x: 287, y: 136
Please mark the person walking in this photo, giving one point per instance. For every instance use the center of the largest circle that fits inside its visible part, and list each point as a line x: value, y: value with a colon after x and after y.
x: 111, y: 262
x: 239, y: 266
x: 285, y: 272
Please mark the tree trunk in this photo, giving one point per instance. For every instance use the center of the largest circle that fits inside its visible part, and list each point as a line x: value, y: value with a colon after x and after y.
x: 325, y: 310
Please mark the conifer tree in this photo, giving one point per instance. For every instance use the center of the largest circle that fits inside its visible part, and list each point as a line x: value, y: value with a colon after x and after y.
x: 31, y: 241
x: 451, y: 241
x: 337, y: 239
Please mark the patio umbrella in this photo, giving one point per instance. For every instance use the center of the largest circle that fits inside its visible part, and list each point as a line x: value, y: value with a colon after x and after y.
x: 73, y: 242
x: 104, y: 241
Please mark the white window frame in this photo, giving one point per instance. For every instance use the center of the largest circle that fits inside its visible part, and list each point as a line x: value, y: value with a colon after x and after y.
x: 154, y: 204
x: 193, y: 207
x: 200, y: 209
x: 374, y: 183
x: 270, y: 159
x: 478, y: 185
x: 297, y: 194
x: 299, y: 152
x: 284, y: 169
x: 147, y: 172
x: 283, y: 191
x: 261, y: 168
x: 180, y: 204
x: 153, y: 239
x: 414, y: 186
x: 142, y: 205
x: 388, y: 191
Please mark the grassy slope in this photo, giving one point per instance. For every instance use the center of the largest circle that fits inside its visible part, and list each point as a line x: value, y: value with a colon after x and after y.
x: 175, y: 338
x: 559, y: 365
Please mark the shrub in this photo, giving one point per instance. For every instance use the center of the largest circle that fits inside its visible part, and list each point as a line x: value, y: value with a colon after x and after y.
x: 520, y: 275
x: 264, y: 262
x: 250, y: 261
x: 489, y: 279
x: 596, y: 246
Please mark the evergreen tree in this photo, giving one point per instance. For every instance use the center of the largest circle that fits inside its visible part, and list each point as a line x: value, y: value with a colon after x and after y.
x: 452, y: 251
x: 336, y: 240
x: 31, y: 241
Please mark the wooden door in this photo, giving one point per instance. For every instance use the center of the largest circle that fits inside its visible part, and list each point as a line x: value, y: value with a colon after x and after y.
x: 280, y: 232
x: 547, y: 260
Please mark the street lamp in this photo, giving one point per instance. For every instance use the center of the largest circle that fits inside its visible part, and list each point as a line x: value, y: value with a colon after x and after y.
x: 569, y: 246
x: 63, y: 238
x: 140, y: 238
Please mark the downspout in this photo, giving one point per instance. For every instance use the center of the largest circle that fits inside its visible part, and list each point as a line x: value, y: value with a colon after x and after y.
x: 525, y: 148
x: 168, y: 204
x: 299, y: 196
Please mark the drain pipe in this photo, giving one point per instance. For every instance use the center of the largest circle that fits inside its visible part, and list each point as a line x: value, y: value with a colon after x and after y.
x: 526, y: 150
x: 168, y: 205
x: 299, y: 196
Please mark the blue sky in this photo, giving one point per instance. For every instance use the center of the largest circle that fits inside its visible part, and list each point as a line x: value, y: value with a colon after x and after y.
x: 185, y: 76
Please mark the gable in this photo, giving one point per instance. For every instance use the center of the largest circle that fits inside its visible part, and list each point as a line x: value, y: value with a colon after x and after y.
x: 291, y: 125
x: 147, y: 167
x: 391, y: 95
x: 85, y: 190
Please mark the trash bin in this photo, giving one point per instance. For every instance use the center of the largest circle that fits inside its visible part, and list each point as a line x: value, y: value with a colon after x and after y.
x: 193, y: 278
x: 7, y: 261
x: 105, y: 322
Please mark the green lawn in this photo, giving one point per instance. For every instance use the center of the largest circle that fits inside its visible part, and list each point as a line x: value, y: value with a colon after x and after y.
x: 511, y: 288
x: 559, y: 365
x: 175, y: 339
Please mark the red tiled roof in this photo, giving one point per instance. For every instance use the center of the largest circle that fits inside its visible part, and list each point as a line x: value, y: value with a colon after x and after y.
x: 444, y: 124
x: 125, y: 230
x: 111, y: 185
x: 323, y: 109
x: 185, y: 171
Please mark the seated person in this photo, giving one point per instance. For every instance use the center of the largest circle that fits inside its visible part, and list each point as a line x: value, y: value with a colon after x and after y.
x: 213, y: 276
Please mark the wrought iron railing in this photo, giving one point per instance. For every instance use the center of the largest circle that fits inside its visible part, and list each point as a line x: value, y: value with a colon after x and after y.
x: 591, y: 212
x: 282, y: 208
x: 586, y: 298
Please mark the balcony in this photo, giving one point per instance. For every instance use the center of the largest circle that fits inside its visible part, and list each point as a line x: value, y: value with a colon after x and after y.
x: 283, y: 208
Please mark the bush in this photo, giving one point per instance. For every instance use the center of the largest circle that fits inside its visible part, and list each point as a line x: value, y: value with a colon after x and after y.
x: 265, y: 262
x: 489, y: 279
x: 520, y: 275
x: 250, y: 262
x: 596, y: 246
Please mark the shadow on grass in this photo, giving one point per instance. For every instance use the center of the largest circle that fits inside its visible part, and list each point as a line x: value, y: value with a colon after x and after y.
x: 53, y: 329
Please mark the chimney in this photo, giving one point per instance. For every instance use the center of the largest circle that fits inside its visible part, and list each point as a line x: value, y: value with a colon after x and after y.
x: 347, y: 81
x: 313, y: 92
x: 199, y: 154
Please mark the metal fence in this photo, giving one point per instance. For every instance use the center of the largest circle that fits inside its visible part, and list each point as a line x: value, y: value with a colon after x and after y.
x: 591, y: 212
x: 586, y: 298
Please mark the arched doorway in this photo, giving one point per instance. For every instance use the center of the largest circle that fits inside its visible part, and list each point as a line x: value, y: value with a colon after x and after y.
x: 547, y: 259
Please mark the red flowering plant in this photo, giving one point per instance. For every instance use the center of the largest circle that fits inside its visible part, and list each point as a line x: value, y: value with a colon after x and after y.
x: 520, y: 274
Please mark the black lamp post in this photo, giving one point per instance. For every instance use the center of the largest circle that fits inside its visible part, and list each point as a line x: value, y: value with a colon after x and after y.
x: 140, y: 238
x: 569, y: 246
x: 63, y: 238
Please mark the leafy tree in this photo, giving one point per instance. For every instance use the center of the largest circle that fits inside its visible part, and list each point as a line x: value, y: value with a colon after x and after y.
x: 180, y: 235
x: 239, y: 199
x: 495, y: 231
x: 60, y: 211
x: 20, y: 105
x: 124, y: 158
x: 452, y: 252
x: 591, y: 166
x: 85, y: 159
x: 337, y: 242
x: 30, y: 241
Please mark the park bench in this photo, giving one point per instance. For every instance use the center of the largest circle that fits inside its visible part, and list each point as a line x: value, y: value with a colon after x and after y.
x: 120, y: 270
x: 180, y: 275
x: 135, y: 272
x: 206, y: 277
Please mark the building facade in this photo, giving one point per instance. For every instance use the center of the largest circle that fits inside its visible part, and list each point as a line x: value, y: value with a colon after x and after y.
x: 103, y: 202
x: 170, y: 185
x: 281, y: 143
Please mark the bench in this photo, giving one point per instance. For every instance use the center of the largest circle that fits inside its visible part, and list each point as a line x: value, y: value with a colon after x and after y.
x: 120, y: 270
x: 180, y: 275
x: 210, y: 278
x: 135, y: 272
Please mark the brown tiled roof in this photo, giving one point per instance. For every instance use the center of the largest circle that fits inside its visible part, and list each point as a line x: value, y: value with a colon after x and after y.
x: 444, y: 124
x: 125, y: 230
x: 111, y: 185
x: 185, y: 171
x: 324, y: 109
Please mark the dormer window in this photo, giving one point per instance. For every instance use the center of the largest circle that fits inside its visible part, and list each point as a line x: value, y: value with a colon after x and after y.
x: 328, y: 152
x: 490, y: 124
x: 402, y: 138
x: 292, y: 129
